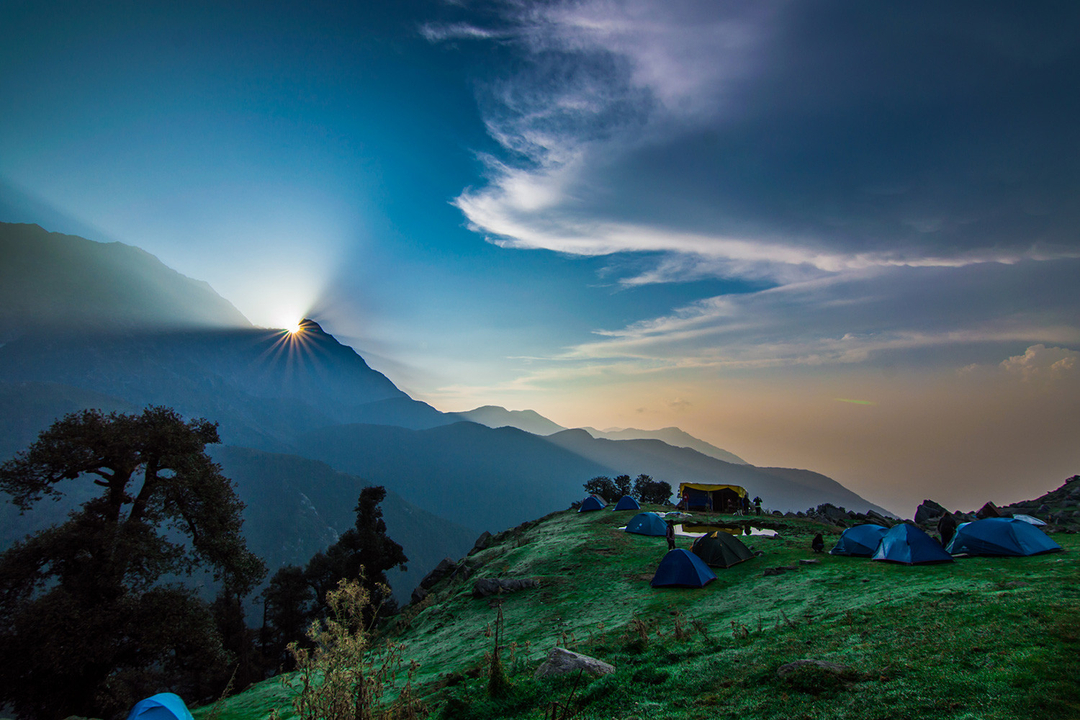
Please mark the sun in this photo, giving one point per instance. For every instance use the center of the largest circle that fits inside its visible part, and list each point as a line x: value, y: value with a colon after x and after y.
x: 293, y: 328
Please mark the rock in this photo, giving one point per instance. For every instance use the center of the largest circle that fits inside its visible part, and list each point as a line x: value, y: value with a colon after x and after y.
x: 780, y: 570
x: 809, y: 562
x: 878, y: 519
x: 492, y: 586
x: 989, y: 510
x: 1044, y: 509
x: 927, y: 511
x: 832, y: 512
x: 418, y: 595
x: 444, y: 568
x: 561, y: 661
x: 481, y: 543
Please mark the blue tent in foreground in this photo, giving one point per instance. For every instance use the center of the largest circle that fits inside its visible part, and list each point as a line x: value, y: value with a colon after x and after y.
x: 591, y: 503
x: 859, y: 541
x: 163, y: 706
x: 627, y: 503
x: 647, y: 523
x: 1001, y: 536
x: 682, y: 568
x: 909, y: 545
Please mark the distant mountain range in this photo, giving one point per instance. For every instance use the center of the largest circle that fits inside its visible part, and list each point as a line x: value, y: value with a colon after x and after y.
x: 535, y: 423
x: 304, y: 420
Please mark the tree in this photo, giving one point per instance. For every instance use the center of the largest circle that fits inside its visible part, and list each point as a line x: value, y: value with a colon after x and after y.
x: 363, y: 554
x: 622, y: 485
x: 603, y: 488
x: 86, y: 625
x: 647, y: 490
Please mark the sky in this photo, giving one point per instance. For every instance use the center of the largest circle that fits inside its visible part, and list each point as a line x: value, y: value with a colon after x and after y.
x: 830, y: 235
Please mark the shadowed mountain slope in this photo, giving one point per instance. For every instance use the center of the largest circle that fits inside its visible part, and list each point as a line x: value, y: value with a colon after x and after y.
x: 672, y: 436
x: 50, y: 281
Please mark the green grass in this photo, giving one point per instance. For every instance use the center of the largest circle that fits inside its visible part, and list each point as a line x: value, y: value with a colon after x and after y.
x: 978, y: 638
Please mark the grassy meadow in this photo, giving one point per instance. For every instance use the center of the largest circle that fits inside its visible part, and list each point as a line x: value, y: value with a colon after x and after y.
x: 979, y: 638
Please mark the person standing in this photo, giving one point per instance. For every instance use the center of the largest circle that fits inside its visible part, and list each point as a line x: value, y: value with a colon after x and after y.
x: 669, y: 533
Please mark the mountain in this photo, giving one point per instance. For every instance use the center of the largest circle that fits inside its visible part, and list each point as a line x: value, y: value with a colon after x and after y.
x: 495, y: 417
x: 52, y: 281
x: 672, y: 436
x: 531, y: 421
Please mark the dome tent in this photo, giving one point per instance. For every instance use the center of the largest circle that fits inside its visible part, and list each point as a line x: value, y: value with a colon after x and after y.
x: 721, y: 549
x: 590, y: 504
x: 859, y: 541
x: 647, y: 523
x: 163, y: 706
x: 1001, y: 536
x: 908, y: 545
x: 681, y: 568
x: 627, y: 503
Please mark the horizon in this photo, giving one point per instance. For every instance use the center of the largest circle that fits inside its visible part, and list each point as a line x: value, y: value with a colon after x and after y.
x: 834, y: 238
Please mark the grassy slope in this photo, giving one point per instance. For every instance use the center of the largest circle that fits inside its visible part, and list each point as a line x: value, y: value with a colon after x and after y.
x: 979, y: 638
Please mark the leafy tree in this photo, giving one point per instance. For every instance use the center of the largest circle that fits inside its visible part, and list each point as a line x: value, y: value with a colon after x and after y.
x: 364, y: 553
x: 622, y: 485
x: 603, y: 488
x: 86, y: 626
x: 647, y: 490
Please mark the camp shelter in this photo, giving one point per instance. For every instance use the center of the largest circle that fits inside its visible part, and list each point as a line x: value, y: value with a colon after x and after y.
x: 721, y: 498
x: 1029, y: 519
x: 909, y: 545
x: 719, y: 549
x: 163, y: 706
x: 591, y: 503
x: 627, y: 503
x: 647, y: 523
x: 682, y: 568
x: 1001, y: 536
x: 860, y: 540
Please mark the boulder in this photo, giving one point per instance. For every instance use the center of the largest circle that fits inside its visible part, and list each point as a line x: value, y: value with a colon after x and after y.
x: 779, y: 570
x: 418, y: 595
x: 482, y: 542
x: 989, y: 510
x: 561, y: 661
x: 493, y: 586
x: 444, y: 568
x: 928, y: 510
x: 878, y: 519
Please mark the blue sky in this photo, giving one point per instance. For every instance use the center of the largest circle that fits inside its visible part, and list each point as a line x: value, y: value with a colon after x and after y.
x: 728, y: 217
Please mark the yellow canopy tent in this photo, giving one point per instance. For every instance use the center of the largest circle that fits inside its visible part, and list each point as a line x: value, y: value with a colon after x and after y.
x: 721, y: 498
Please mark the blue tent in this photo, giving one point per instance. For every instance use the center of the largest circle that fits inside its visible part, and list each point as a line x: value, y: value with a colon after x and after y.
x: 591, y: 503
x: 909, y: 545
x: 627, y: 503
x: 163, y: 706
x: 682, y: 568
x: 860, y: 541
x: 1001, y: 536
x: 647, y: 523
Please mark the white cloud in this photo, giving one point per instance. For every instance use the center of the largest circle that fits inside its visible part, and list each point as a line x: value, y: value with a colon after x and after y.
x: 1042, y: 363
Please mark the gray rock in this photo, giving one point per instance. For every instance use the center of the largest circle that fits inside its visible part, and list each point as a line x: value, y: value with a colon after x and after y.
x: 779, y: 570
x: 418, y: 595
x: 482, y: 542
x: 561, y: 661
x: 493, y: 586
x: 927, y: 511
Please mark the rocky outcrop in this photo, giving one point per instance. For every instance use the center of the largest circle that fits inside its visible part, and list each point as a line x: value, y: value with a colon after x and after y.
x: 495, y: 586
x: 928, y: 510
x: 561, y: 661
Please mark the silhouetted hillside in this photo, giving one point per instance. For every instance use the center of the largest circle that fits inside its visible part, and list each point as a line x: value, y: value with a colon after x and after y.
x: 51, y: 281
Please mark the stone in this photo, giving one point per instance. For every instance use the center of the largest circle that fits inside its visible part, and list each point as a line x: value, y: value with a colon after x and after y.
x: 444, y: 568
x: 418, y: 595
x: 493, y: 586
x: 814, y: 676
x: 809, y: 562
x: 481, y: 543
x: 928, y: 510
x: 779, y: 570
x: 878, y: 519
x: 561, y: 661
x: 989, y: 510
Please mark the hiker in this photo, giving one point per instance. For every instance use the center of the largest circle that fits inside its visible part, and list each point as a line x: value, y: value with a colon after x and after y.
x: 817, y: 544
x: 757, y: 505
x: 670, y: 535
x: 946, y: 527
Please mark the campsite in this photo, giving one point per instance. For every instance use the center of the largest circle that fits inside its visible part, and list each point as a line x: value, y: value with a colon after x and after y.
x: 981, y: 637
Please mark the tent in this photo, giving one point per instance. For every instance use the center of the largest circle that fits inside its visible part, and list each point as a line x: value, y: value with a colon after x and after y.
x: 860, y: 540
x: 1001, y: 536
x: 712, y: 497
x: 591, y: 503
x: 163, y: 706
x: 909, y: 545
x: 1029, y: 519
x: 719, y: 549
x: 627, y: 503
x: 647, y: 523
x: 681, y: 568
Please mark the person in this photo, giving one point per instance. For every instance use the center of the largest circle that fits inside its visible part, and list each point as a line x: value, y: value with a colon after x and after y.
x: 757, y: 505
x: 670, y: 535
x: 946, y: 526
x: 818, y: 543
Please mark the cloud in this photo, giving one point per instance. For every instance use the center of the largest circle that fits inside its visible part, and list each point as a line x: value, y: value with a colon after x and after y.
x: 780, y: 140
x: 1042, y: 363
